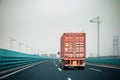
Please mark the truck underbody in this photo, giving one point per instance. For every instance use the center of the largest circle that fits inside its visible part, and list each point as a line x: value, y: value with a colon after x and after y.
x: 73, y: 63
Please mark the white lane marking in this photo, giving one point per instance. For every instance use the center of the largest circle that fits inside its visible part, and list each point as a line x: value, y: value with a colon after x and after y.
x: 59, y: 69
x: 95, y: 69
x: 20, y: 70
x: 55, y: 63
x: 107, y: 66
x: 60, y: 60
x: 69, y: 78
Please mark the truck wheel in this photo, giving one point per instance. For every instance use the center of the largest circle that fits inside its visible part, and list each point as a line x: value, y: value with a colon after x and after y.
x: 81, y: 68
x: 62, y: 67
x: 65, y: 68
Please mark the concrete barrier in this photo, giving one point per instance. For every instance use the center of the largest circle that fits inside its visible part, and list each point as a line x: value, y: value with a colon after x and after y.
x: 111, y: 61
x: 12, y: 59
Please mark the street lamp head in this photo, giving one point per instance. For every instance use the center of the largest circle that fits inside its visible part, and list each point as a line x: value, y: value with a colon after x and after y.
x: 91, y: 20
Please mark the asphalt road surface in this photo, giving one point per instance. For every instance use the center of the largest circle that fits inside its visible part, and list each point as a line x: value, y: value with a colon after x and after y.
x: 50, y: 70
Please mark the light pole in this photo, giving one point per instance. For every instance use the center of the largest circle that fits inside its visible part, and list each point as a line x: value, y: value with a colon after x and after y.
x: 97, y: 20
x: 27, y: 48
x: 20, y: 46
x: 11, y: 43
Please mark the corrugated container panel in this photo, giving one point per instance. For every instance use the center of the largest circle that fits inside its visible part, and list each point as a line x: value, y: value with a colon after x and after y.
x: 73, y: 45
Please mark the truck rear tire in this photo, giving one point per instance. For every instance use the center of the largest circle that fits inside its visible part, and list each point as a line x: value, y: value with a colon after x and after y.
x: 64, y: 67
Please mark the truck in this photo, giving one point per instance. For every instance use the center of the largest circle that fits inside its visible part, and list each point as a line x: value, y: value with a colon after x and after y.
x: 72, y: 50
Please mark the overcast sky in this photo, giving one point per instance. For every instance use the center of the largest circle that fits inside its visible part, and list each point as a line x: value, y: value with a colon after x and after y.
x: 40, y: 23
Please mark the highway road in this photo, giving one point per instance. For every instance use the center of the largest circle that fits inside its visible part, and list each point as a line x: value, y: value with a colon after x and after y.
x: 50, y: 70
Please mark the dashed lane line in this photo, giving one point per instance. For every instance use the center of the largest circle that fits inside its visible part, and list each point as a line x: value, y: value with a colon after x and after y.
x: 95, y: 69
x: 59, y: 69
x: 69, y: 78
x: 55, y: 64
x: 59, y: 60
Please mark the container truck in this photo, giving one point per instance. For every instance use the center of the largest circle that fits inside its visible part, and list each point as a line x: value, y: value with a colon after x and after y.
x: 73, y: 50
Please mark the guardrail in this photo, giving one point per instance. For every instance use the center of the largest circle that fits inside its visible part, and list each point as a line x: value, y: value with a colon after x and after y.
x: 111, y: 61
x: 12, y: 59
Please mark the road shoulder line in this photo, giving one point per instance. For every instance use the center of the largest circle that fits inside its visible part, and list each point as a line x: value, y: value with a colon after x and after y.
x: 100, y: 65
x: 20, y: 70
x: 95, y: 69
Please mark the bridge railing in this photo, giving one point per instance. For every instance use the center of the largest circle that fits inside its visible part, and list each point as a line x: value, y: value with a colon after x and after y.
x: 11, y: 59
x: 111, y: 61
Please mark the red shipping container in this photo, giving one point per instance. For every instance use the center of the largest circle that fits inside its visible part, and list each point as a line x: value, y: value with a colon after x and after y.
x: 73, y: 50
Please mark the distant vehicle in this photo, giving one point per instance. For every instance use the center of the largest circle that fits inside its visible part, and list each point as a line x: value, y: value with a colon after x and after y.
x: 73, y: 50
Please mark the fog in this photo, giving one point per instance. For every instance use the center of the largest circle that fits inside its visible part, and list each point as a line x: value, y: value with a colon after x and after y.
x: 39, y: 24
